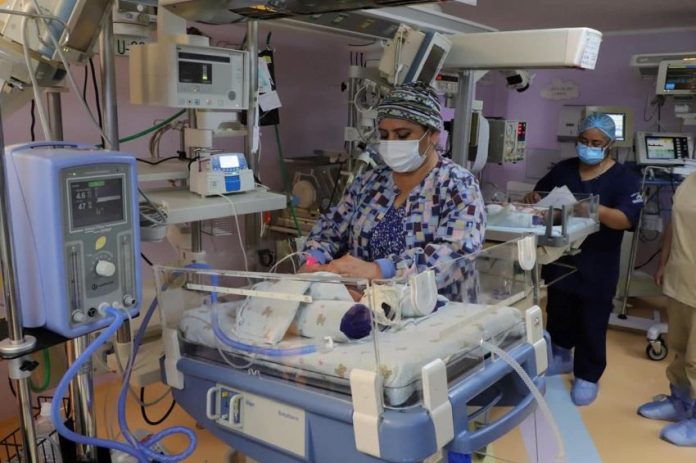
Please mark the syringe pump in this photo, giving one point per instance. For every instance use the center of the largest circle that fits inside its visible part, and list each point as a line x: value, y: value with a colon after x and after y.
x: 219, y: 174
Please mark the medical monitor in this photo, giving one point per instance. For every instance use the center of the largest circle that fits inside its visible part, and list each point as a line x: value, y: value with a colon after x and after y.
x: 623, y: 119
x: 428, y: 62
x: 676, y: 78
x: 663, y: 149
x: 413, y: 56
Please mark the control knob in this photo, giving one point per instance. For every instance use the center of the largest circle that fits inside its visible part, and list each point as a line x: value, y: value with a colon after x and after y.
x: 105, y: 269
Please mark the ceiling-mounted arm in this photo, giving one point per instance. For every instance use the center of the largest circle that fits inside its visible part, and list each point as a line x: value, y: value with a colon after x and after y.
x: 225, y: 11
x: 533, y: 49
x: 76, y: 26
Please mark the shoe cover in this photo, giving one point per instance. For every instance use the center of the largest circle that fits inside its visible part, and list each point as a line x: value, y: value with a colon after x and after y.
x: 561, y: 361
x: 682, y: 433
x: 583, y: 392
x: 668, y: 408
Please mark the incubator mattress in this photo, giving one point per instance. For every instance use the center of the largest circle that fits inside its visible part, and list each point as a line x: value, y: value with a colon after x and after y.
x: 453, y: 334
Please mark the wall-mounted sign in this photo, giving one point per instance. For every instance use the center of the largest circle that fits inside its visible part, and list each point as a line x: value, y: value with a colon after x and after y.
x: 560, y: 90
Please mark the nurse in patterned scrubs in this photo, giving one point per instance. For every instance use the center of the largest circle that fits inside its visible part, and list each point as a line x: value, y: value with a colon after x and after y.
x: 418, y: 210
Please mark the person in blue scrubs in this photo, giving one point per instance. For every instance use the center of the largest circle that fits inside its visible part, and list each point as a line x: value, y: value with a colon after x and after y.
x: 579, y: 305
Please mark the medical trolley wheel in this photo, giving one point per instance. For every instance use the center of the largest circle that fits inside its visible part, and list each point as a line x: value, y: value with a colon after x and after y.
x: 656, y: 350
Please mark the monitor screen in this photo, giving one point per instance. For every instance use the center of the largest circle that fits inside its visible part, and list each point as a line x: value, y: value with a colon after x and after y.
x: 431, y: 66
x: 620, y: 122
x: 191, y: 72
x: 680, y: 77
x: 661, y: 148
x: 229, y: 162
x: 96, y: 202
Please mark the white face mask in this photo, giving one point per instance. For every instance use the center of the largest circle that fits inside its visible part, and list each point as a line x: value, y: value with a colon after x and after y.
x: 402, y: 155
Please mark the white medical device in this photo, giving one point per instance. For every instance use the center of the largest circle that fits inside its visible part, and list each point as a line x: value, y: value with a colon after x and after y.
x: 187, y: 76
x: 83, y: 18
x: 219, y: 174
x: 508, y: 141
x: 75, y: 233
x: 676, y: 78
x: 663, y: 149
x: 647, y: 64
x: 532, y: 49
x: 413, y: 56
x: 517, y: 79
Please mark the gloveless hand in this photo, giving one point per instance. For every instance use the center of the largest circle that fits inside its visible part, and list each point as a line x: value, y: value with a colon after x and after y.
x: 352, y: 267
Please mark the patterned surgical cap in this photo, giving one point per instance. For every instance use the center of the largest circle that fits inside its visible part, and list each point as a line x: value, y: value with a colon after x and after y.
x: 416, y: 102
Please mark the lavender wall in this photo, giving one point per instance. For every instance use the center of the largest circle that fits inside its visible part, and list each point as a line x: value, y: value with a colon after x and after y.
x: 613, y: 82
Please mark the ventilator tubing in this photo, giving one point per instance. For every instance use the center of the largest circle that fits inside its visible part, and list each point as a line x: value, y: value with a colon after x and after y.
x: 543, y: 406
x: 144, y: 447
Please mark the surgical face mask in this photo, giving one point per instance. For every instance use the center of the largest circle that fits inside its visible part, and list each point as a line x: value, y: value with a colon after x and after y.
x: 590, y: 155
x: 402, y: 155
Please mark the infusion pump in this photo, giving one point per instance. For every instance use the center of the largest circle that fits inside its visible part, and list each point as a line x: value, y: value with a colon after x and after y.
x: 219, y: 174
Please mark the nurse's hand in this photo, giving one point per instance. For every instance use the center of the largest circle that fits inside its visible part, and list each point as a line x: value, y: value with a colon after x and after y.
x: 352, y: 267
x: 660, y: 275
x: 532, y: 197
x: 310, y: 266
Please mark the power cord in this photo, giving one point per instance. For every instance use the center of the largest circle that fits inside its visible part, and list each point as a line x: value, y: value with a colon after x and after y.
x: 154, y: 163
x: 96, y: 95
x: 239, y: 233
x: 143, y: 410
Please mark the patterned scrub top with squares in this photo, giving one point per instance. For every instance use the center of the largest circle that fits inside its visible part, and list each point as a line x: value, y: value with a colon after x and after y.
x: 444, y: 220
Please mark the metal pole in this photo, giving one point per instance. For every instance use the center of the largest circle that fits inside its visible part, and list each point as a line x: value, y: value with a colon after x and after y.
x: 82, y: 398
x: 252, y: 222
x: 55, y: 114
x: 17, y: 342
x: 462, y: 118
x: 252, y: 112
x: 108, y: 80
x: 196, y: 227
x: 27, y: 421
x: 352, y: 112
x: 82, y: 388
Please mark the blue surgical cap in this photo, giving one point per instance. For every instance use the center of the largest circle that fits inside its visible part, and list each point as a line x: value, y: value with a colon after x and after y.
x: 601, y: 122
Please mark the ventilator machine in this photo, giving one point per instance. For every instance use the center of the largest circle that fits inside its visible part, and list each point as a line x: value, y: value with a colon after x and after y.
x: 75, y: 234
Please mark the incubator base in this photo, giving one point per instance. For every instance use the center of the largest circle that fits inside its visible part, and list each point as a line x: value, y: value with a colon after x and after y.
x: 318, y: 424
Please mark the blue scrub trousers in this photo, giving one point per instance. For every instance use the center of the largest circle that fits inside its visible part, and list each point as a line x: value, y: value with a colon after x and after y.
x: 580, y: 322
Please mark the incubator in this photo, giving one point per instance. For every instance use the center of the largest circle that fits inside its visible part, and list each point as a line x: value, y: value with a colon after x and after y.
x: 316, y: 367
x: 558, y: 220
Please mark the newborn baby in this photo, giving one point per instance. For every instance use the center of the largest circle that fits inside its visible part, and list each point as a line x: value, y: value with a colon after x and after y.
x: 519, y: 215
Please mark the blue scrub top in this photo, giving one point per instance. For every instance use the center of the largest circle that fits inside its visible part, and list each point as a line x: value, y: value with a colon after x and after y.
x: 598, y: 261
